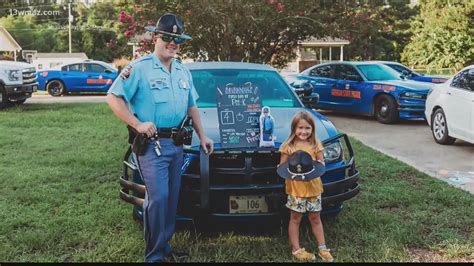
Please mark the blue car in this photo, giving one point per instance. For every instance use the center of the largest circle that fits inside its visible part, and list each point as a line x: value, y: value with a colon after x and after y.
x: 241, y: 184
x: 366, y: 88
x: 86, y: 76
x: 410, y: 74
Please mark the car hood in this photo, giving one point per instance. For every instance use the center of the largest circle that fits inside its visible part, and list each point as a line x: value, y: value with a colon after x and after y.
x: 15, y: 64
x: 408, y: 84
x: 282, y: 117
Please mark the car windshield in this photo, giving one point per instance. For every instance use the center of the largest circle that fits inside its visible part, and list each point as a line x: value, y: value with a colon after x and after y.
x: 401, y: 68
x: 376, y: 72
x: 274, y: 91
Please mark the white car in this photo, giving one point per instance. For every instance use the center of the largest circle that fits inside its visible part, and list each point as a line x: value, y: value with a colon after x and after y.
x: 449, y: 108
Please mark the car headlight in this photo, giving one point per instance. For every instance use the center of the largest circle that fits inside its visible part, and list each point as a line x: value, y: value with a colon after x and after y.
x: 13, y: 75
x: 332, y: 152
x: 412, y: 95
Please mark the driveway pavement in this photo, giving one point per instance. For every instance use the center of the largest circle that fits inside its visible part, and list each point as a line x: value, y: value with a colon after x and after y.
x: 407, y: 141
x: 39, y: 98
x: 413, y: 143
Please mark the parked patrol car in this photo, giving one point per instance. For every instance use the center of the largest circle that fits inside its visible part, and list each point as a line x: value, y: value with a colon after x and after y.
x: 410, y: 74
x: 366, y: 88
x: 86, y: 76
x: 242, y: 183
x: 17, y: 82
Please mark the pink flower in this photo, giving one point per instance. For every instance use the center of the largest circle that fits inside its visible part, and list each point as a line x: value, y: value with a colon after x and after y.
x: 279, y: 7
x: 123, y: 17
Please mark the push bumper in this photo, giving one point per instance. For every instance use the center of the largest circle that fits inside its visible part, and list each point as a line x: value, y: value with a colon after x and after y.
x: 411, y: 109
x: 207, y: 186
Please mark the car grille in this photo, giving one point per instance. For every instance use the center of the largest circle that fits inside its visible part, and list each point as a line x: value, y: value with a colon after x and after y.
x: 241, y: 169
x: 29, y: 75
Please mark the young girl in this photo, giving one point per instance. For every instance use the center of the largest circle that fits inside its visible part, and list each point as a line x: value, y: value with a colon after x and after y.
x: 304, y: 196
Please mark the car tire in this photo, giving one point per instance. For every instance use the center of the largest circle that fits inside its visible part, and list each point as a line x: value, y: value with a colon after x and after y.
x: 55, y: 88
x: 386, y: 109
x: 439, y: 128
x: 3, y: 98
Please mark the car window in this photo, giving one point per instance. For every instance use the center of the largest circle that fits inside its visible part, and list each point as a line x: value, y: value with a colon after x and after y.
x: 322, y: 71
x: 400, y: 69
x: 64, y: 68
x: 463, y: 81
x: 347, y: 72
x: 94, y: 68
x: 377, y: 72
x: 75, y: 67
x: 274, y: 91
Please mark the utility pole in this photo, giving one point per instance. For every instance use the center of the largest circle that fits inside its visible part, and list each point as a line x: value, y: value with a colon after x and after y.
x: 70, y: 18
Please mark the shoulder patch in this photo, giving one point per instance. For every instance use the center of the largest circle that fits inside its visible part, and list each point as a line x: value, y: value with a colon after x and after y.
x: 126, y: 72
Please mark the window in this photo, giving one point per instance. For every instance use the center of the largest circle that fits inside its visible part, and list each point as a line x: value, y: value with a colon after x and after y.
x: 376, y: 72
x: 75, y: 67
x: 400, y: 69
x: 273, y: 90
x: 347, y: 72
x: 95, y: 68
x: 463, y: 80
x: 322, y: 71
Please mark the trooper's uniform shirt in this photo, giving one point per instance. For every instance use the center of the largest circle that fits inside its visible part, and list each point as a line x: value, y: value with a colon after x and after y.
x: 156, y: 95
x: 153, y: 93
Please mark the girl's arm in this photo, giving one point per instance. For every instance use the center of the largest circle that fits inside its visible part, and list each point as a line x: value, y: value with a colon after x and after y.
x: 320, y: 157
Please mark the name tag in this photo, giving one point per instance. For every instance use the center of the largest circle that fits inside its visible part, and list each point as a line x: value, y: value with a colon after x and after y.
x: 158, y: 83
x: 183, y: 84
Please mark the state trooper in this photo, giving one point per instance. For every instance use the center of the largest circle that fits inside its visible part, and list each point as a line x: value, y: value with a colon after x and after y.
x: 153, y: 94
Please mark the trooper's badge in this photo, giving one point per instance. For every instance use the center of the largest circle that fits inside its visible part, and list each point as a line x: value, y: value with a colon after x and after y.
x: 126, y: 72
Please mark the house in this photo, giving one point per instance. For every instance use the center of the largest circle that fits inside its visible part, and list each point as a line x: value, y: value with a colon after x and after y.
x: 314, y: 51
x: 50, y: 60
x: 7, y: 43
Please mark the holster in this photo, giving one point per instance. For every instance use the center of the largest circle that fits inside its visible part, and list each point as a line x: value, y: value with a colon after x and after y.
x: 139, y: 141
x: 185, y: 133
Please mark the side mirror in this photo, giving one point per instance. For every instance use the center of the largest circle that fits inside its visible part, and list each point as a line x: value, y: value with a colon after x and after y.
x: 406, y: 73
x: 305, y: 92
x: 303, y: 89
x: 311, y: 100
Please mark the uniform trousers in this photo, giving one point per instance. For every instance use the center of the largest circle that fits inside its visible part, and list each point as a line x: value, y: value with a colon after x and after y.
x: 162, y: 178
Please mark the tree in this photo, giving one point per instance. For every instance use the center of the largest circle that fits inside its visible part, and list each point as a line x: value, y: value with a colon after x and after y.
x: 442, y: 39
x: 262, y: 31
x: 98, y: 26
x: 376, y: 31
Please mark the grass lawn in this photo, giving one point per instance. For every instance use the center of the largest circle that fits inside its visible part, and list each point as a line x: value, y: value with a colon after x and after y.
x: 59, y: 202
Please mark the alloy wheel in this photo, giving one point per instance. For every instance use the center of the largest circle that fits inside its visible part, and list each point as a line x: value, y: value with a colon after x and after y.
x: 439, y: 126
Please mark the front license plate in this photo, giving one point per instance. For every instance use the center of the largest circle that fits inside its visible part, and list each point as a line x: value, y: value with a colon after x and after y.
x: 247, y: 204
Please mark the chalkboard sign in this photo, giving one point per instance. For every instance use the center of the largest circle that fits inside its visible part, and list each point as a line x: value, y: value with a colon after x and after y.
x: 238, y: 110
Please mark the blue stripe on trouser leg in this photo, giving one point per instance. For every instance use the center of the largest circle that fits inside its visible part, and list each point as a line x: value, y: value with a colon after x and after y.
x: 162, y: 177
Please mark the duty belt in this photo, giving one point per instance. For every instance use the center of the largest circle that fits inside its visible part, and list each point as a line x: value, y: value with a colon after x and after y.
x: 167, y: 132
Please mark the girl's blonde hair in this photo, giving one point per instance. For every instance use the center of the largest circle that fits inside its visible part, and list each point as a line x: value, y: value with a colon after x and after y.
x: 313, y: 140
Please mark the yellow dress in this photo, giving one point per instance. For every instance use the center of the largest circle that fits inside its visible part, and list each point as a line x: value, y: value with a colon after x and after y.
x: 304, y: 189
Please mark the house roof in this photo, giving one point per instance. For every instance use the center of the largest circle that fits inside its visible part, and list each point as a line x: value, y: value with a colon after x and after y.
x: 7, y: 43
x: 323, y: 42
x: 61, y: 55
